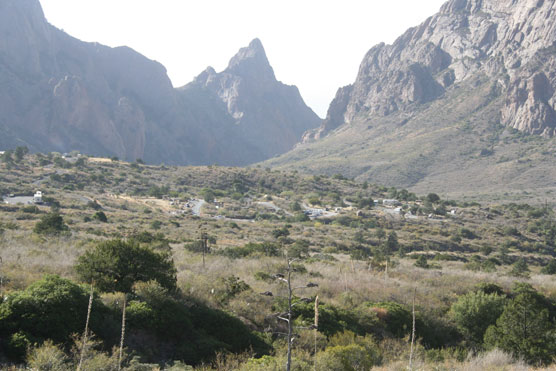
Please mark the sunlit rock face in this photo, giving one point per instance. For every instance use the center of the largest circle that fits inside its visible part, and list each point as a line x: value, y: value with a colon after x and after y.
x: 512, y: 41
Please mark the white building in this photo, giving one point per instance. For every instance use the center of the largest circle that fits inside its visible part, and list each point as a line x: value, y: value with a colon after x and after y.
x: 37, y: 198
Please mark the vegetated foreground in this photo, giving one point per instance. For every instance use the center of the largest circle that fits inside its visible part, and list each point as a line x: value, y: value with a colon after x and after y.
x: 195, y: 260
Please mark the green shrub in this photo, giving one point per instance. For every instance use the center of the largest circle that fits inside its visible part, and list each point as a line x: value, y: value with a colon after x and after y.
x: 232, y: 286
x: 31, y: 209
x: 349, y: 352
x: 48, y: 357
x: 252, y: 249
x: 51, y: 224
x: 208, y: 194
x: 52, y: 308
x: 520, y: 269
x: 100, y: 216
x: 524, y: 329
x: 467, y: 233
x: 550, y: 268
x: 422, y: 262
x: 116, y: 265
x: 397, y: 319
x: 474, y: 312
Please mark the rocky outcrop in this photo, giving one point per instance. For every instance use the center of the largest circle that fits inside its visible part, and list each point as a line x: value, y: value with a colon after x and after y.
x: 271, y: 116
x: 498, y: 38
x: 60, y: 94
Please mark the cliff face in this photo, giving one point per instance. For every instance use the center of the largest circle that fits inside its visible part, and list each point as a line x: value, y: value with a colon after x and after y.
x: 463, y: 104
x: 271, y: 116
x: 509, y: 40
x: 60, y: 94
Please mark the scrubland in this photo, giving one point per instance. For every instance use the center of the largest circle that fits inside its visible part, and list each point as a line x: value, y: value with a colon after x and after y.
x: 464, y: 271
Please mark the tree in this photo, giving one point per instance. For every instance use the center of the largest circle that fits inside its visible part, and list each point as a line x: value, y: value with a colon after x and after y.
x: 20, y: 152
x: 295, y: 206
x: 7, y: 157
x: 422, y: 262
x: 51, y: 224
x: 524, y: 328
x: 550, y: 268
x: 116, y: 265
x: 208, y: 194
x: 380, y: 234
x: 100, y: 216
x: 474, y: 312
x: 433, y: 198
x: 51, y: 308
x: 392, y: 242
x: 520, y: 269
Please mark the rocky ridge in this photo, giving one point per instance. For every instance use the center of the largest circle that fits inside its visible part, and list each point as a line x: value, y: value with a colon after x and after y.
x: 512, y: 41
x: 249, y: 90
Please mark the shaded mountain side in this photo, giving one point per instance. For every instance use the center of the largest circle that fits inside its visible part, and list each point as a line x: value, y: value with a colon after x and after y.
x: 455, y: 146
x: 270, y: 116
x: 60, y: 94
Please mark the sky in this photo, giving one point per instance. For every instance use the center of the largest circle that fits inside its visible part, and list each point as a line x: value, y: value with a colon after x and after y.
x: 316, y: 45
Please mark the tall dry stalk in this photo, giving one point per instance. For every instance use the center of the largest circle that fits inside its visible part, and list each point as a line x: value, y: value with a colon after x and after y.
x: 316, y: 327
x: 290, y: 293
x: 123, y: 334
x: 412, y: 332
x: 86, y: 332
x: 1, y: 282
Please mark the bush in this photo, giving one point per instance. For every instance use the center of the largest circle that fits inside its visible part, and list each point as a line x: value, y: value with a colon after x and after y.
x: 48, y: 357
x: 550, y: 268
x: 31, y: 209
x: 116, y: 265
x: 467, y: 233
x: 349, y: 352
x: 162, y: 327
x: 474, y: 312
x: 524, y: 329
x: 252, y: 249
x: 520, y: 269
x: 208, y: 194
x: 52, y: 308
x: 100, y: 216
x: 51, y: 224
x: 422, y: 262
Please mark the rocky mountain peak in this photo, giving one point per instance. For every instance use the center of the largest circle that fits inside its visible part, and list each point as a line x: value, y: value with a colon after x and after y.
x: 509, y: 41
x: 251, y: 61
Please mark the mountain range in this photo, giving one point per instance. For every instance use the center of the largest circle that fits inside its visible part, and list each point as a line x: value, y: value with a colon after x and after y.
x: 58, y: 93
x: 464, y: 102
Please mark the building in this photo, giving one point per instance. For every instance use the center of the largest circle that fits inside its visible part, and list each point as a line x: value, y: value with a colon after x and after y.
x: 37, y: 198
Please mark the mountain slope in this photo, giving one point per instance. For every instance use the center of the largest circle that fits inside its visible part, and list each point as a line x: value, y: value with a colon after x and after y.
x: 270, y: 116
x: 60, y: 94
x: 437, y: 109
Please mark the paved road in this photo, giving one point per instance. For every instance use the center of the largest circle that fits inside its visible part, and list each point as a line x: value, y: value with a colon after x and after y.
x: 18, y: 200
x: 196, y: 206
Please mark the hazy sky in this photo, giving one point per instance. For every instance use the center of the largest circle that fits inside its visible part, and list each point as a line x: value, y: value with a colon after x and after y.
x: 314, y: 44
